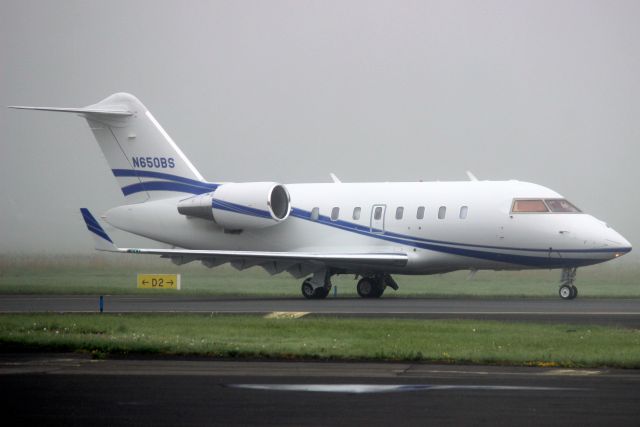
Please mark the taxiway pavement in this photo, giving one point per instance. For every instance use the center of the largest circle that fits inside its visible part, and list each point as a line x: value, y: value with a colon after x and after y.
x: 65, y: 389
x: 620, y: 312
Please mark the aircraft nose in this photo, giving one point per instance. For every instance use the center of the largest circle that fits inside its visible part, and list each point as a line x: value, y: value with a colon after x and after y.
x: 617, y: 241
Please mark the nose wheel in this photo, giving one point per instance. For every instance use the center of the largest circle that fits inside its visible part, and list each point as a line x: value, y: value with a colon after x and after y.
x: 567, y: 289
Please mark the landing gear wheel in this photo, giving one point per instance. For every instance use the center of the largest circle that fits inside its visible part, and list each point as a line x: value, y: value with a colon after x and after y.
x: 379, y: 289
x: 365, y: 287
x: 370, y: 288
x: 568, y: 292
x: 567, y: 288
x: 321, y: 293
x: 307, y: 289
x: 310, y: 293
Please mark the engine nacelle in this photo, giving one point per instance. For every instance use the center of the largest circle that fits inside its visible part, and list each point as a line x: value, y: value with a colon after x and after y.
x: 238, y: 206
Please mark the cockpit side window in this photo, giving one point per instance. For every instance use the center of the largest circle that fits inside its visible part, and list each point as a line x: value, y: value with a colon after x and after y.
x: 561, y: 205
x: 529, y: 206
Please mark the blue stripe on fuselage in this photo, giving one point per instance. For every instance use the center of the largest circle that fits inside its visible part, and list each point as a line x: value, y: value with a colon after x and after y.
x: 438, y: 246
x: 172, y: 183
x: 241, y: 209
x: 164, y: 186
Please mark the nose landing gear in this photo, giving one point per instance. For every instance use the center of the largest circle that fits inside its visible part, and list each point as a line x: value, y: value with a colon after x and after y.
x: 567, y: 289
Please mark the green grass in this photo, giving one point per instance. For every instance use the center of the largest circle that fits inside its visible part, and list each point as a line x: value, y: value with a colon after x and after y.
x: 229, y: 336
x: 116, y: 274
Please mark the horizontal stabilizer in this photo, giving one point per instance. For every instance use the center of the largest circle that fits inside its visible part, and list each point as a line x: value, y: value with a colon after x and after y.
x: 97, y: 111
x: 147, y: 164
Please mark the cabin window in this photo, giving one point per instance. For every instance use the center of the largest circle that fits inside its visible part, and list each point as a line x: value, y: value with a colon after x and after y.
x: 529, y: 206
x: 463, y: 212
x: 420, y: 213
x: 442, y: 212
x: 356, y: 213
x: 399, y: 212
x: 561, y: 205
x: 335, y: 212
x: 377, y: 213
x: 315, y: 214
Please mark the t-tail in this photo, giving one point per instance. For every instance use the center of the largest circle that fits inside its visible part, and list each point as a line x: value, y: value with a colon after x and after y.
x: 146, y: 162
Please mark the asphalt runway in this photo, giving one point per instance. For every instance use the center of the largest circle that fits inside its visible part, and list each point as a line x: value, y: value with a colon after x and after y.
x: 69, y: 390
x: 619, y: 312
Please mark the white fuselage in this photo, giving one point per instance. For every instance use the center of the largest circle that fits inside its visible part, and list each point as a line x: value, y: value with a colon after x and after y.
x: 319, y: 230
x: 478, y: 230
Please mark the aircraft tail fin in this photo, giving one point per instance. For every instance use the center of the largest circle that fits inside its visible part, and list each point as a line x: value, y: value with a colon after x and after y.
x: 146, y: 162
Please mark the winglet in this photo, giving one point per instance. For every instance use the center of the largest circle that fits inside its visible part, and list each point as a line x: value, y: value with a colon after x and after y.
x: 101, y: 239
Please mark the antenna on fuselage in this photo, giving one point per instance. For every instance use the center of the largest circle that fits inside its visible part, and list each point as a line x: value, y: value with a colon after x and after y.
x: 335, y: 179
x: 471, y: 176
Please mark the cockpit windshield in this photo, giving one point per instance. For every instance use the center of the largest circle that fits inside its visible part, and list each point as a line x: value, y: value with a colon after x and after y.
x: 561, y: 205
x: 543, y: 205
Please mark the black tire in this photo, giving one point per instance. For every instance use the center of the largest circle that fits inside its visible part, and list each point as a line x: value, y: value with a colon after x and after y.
x: 321, y: 293
x: 365, y: 287
x: 575, y: 291
x: 307, y: 289
x: 310, y: 293
x: 566, y: 292
x: 378, y: 289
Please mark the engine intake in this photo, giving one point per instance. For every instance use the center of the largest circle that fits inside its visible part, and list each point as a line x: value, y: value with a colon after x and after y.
x: 237, y: 206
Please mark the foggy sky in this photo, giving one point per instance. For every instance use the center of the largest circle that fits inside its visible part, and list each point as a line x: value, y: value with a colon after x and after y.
x: 540, y: 91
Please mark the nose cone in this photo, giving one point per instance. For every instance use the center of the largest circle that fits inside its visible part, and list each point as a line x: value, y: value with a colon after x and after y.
x: 615, y: 240
x: 600, y: 240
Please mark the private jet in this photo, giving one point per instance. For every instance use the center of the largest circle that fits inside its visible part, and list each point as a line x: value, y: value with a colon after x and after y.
x: 318, y: 230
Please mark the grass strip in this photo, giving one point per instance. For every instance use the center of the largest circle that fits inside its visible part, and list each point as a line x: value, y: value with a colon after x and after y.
x: 234, y: 336
x: 116, y: 275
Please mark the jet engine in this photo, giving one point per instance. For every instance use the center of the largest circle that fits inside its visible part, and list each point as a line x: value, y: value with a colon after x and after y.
x: 239, y: 206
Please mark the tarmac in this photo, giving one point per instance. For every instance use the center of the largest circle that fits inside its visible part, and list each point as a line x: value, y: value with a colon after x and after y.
x: 72, y: 389
x: 68, y: 389
x: 605, y: 311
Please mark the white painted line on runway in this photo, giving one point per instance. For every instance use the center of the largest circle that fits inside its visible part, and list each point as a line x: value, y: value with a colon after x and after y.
x: 388, y: 388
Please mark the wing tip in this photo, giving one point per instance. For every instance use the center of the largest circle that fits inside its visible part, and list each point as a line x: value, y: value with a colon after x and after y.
x: 101, y: 239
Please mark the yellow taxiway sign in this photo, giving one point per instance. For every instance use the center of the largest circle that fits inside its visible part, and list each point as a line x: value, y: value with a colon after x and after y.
x: 159, y: 281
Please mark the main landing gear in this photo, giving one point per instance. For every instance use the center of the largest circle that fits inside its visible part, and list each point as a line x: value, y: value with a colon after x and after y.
x: 567, y: 289
x: 317, y: 286
x: 372, y: 286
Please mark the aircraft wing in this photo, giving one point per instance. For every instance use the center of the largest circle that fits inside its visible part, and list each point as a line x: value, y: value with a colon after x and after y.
x: 299, y: 264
